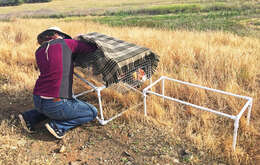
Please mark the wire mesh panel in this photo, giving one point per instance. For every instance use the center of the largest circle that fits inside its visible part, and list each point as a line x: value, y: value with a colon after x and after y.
x: 138, y: 75
x: 134, y: 75
x: 140, y: 72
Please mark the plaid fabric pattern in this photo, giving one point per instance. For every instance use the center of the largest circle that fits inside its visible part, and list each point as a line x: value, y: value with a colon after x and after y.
x: 114, y: 58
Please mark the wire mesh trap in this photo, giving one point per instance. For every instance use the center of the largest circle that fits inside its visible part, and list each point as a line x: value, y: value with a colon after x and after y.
x: 115, y: 64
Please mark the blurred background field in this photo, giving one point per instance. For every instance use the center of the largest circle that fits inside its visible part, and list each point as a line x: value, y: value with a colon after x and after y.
x: 237, y: 16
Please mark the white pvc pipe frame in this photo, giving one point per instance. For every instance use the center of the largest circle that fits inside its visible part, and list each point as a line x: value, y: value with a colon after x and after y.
x: 235, y: 118
x: 101, y: 120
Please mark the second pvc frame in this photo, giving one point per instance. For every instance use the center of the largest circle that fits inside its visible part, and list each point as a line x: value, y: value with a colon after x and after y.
x: 248, y: 104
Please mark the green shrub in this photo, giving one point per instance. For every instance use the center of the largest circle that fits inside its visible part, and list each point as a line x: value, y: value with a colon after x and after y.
x: 10, y: 2
x: 18, y: 2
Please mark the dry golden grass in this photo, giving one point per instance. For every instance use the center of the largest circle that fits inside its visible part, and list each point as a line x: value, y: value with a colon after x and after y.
x: 213, y: 59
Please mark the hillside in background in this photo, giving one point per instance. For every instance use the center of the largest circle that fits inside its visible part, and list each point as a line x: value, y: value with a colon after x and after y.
x: 240, y: 17
x: 172, y: 133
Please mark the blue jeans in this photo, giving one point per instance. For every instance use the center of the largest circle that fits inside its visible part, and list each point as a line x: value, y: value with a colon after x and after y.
x: 66, y: 114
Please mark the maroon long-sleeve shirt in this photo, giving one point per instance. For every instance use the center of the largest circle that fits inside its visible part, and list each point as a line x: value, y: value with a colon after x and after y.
x: 56, y: 66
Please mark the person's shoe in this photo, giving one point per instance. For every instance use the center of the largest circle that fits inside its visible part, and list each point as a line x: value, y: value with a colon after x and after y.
x: 26, y: 124
x: 52, y: 128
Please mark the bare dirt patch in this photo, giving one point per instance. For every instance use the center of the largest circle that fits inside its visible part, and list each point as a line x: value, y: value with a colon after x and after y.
x: 118, y: 142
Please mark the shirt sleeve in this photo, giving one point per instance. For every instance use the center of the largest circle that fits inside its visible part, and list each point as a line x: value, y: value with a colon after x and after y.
x: 80, y: 47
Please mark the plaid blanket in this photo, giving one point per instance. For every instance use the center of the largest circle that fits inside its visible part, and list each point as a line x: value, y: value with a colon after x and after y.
x: 115, y: 59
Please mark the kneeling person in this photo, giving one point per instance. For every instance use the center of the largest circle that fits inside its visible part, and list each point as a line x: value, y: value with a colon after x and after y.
x: 52, y: 93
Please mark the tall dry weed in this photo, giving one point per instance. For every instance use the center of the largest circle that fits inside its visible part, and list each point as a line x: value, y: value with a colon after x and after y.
x: 213, y: 59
